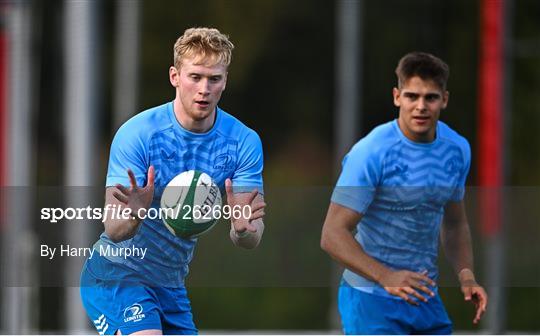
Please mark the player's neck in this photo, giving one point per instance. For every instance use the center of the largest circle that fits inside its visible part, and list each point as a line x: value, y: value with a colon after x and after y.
x: 197, y: 126
x: 194, y: 125
x: 417, y: 137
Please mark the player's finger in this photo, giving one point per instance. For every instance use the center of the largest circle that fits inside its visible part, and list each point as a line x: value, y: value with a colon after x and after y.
x: 424, y: 289
x: 478, y: 315
x: 256, y: 215
x: 398, y: 291
x: 483, y: 303
x: 151, y: 177
x: 122, y: 189
x: 423, y: 277
x: 121, y: 197
x: 229, y: 190
x: 405, y: 297
x: 258, y: 206
x: 251, y: 227
x: 241, y: 226
x: 483, y: 310
x: 412, y: 292
x: 252, y: 196
x: 481, y: 297
x: 467, y: 293
x: 132, y: 179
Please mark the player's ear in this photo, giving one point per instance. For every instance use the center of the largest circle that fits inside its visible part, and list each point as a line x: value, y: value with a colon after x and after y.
x: 446, y: 96
x: 174, y: 76
x: 396, y: 93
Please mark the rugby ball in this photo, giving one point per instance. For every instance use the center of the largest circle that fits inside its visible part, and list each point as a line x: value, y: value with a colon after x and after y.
x: 191, y: 204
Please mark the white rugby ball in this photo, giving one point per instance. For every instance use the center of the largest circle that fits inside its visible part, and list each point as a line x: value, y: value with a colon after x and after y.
x: 190, y: 204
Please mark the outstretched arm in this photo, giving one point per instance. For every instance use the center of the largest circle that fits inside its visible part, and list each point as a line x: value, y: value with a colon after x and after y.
x: 246, y: 232
x: 133, y: 198
x: 338, y: 241
x: 456, y: 242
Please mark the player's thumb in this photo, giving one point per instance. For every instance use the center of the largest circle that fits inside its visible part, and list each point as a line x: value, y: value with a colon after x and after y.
x: 228, y: 187
x: 467, y: 294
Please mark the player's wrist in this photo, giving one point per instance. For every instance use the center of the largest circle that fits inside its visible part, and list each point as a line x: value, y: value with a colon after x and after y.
x: 381, y: 275
x: 135, y: 215
x: 138, y: 216
x: 466, y: 275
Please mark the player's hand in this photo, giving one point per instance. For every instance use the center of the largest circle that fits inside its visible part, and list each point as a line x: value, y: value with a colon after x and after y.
x: 135, y: 197
x: 407, y: 284
x: 473, y: 292
x: 242, y: 224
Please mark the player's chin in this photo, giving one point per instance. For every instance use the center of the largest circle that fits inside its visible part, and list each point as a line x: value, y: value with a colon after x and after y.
x: 200, y: 114
x: 423, y: 128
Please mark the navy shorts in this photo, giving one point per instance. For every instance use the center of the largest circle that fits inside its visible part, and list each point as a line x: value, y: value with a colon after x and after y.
x: 115, y: 305
x: 372, y: 314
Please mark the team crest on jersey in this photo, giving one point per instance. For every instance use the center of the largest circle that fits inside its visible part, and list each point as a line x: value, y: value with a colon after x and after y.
x: 168, y: 155
x: 452, y: 166
x: 224, y: 162
x: 133, y: 313
x: 401, y: 170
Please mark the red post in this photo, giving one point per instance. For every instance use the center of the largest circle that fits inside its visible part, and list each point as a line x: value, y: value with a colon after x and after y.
x: 491, y: 99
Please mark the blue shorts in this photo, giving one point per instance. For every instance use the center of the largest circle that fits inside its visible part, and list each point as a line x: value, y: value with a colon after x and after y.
x: 372, y: 314
x: 114, y: 305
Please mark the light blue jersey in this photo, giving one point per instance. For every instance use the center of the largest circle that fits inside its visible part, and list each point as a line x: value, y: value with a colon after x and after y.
x: 155, y: 137
x: 401, y: 188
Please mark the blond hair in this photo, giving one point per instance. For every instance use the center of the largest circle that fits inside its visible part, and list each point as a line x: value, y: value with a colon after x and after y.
x: 207, y: 45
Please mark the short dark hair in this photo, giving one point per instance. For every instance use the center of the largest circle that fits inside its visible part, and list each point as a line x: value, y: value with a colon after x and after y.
x: 423, y: 65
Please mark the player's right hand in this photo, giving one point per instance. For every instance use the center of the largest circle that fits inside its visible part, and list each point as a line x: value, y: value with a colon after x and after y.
x: 406, y: 285
x: 256, y: 205
x: 135, y: 197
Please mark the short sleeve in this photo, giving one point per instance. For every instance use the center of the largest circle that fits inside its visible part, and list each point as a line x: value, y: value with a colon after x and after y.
x: 360, y: 175
x: 459, y: 192
x: 248, y: 173
x: 127, y: 152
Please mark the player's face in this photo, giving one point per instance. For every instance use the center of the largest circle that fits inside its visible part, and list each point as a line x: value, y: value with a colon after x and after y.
x: 198, y: 87
x: 420, y: 103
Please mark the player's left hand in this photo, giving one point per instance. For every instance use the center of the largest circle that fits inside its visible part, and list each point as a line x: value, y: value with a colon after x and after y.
x: 244, y: 199
x: 475, y: 293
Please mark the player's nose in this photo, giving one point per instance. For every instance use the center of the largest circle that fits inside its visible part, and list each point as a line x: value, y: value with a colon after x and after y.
x: 204, y: 87
x: 421, y: 104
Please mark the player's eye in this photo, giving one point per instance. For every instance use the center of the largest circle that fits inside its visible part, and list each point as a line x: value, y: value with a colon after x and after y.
x: 195, y: 77
x: 215, y: 79
x: 411, y: 96
x: 432, y: 97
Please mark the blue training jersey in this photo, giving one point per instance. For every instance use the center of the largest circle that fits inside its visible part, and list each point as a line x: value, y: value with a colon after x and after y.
x: 155, y: 137
x: 401, y: 187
